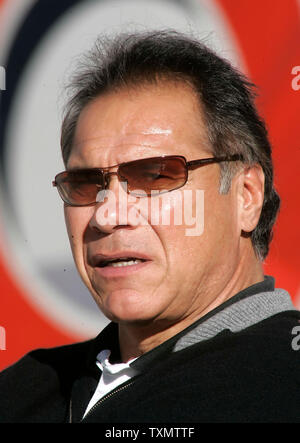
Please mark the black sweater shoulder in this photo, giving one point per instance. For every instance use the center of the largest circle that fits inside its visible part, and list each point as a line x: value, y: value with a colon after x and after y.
x: 37, y: 387
x: 252, y: 375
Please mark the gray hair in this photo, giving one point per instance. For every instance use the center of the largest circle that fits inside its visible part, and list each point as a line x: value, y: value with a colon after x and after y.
x: 226, y: 96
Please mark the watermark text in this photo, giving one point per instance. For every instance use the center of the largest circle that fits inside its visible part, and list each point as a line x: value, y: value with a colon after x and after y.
x: 296, y: 80
x: 179, y: 208
x: 149, y: 433
x: 2, y: 78
x: 296, y: 339
x: 2, y: 339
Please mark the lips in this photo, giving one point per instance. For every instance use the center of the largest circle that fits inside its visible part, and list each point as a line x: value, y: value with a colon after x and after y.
x: 117, y: 260
x: 119, y: 265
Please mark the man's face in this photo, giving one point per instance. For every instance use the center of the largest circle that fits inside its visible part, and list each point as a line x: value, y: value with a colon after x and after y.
x: 171, y: 277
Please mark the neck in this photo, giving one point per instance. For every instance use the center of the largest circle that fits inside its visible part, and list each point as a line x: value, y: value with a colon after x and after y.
x: 137, y: 338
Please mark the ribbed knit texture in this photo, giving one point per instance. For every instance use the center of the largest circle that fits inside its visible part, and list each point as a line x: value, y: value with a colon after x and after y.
x: 238, y: 316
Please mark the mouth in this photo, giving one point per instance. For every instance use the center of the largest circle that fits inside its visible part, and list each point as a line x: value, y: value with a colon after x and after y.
x: 120, y: 262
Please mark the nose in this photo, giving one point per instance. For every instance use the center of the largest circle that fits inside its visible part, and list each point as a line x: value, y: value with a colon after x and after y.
x: 111, y: 210
x: 107, y: 178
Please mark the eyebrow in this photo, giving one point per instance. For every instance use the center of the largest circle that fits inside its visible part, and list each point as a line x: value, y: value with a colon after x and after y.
x: 80, y: 168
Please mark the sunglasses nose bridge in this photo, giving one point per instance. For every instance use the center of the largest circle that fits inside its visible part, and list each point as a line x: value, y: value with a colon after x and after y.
x: 107, y: 177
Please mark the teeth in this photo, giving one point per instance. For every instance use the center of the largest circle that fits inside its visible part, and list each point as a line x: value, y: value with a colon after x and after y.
x: 125, y: 263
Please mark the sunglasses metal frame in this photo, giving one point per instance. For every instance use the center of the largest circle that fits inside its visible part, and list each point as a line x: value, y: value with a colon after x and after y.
x: 105, y: 172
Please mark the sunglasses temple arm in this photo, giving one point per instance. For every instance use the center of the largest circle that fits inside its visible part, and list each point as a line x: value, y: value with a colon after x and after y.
x: 193, y: 164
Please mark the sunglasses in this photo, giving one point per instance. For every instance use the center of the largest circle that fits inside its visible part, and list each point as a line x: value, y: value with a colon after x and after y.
x: 140, y: 178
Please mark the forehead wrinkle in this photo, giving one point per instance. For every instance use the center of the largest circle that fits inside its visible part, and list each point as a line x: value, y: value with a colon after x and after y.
x: 154, y: 133
x: 138, y: 129
x: 84, y: 157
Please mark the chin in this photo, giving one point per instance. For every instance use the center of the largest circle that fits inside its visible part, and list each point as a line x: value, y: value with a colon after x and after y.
x: 128, y: 315
x: 126, y: 306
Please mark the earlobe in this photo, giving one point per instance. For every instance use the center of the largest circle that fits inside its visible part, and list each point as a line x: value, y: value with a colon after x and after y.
x: 252, y: 191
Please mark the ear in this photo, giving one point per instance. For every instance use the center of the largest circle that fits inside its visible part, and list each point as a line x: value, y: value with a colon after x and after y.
x: 251, y: 197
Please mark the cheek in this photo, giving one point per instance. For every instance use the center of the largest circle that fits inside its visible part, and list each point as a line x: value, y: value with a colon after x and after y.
x: 178, y: 225
x: 77, y: 220
x: 221, y: 228
x: 174, y: 208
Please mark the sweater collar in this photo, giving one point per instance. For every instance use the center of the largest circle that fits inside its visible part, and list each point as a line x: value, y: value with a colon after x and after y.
x: 246, y: 308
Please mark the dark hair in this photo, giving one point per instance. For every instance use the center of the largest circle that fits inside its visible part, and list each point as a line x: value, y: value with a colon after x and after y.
x: 226, y: 96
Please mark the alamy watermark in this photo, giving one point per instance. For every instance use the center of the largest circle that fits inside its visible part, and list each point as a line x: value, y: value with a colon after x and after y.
x: 2, y: 78
x: 296, y: 339
x: 184, y: 208
x: 2, y: 339
x: 296, y: 79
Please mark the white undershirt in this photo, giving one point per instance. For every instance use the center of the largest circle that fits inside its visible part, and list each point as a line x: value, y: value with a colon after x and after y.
x: 112, y: 376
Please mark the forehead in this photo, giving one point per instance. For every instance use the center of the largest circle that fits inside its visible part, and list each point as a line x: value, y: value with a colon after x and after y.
x: 151, y: 117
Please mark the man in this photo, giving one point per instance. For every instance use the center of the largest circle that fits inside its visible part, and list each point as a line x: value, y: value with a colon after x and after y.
x: 197, y: 332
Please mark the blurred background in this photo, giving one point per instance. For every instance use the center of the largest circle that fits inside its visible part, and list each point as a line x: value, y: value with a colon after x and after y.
x: 42, y: 299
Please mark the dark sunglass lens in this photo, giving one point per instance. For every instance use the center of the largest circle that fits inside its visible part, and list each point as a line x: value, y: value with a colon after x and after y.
x: 154, y: 174
x: 79, y: 188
